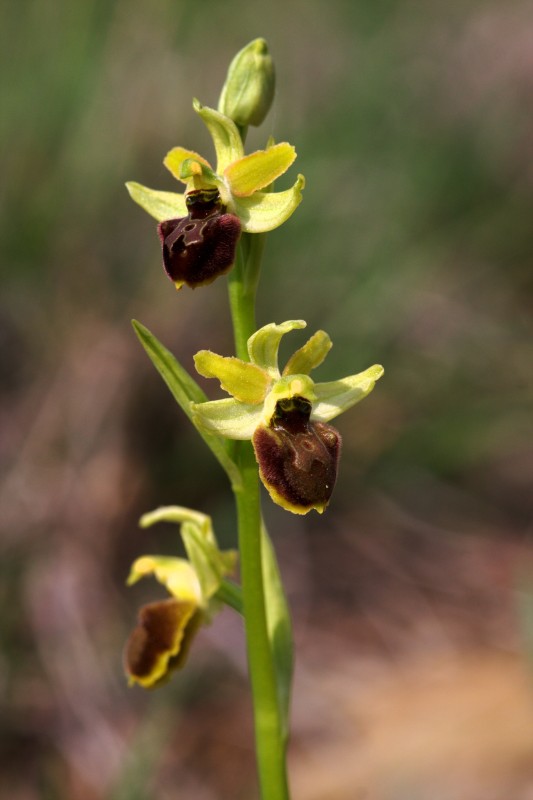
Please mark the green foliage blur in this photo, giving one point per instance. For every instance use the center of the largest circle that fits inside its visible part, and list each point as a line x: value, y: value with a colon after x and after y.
x: 413, y: 248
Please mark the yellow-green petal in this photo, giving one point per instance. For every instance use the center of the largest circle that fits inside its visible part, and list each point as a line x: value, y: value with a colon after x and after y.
x: 225, y: 135
x: 264, y: 211
x: 175, y: 158
x: 227, y: 418
x: 176, y: 574
x: 248, y: 383
x: 257, y: 170
x: 263, y: 345
x: 310, y: 355
x: 335, y: 397
x: 160, y: 205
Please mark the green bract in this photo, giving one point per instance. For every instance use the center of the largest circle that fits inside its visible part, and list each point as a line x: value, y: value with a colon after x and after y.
x: 285, y: 414
x: 159, y: 643
x: 240, y: 179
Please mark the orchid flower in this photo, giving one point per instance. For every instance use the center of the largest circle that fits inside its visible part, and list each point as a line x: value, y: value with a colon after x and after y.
x: 285, y: 414
x: 160, y: 642
x: 200, y: 228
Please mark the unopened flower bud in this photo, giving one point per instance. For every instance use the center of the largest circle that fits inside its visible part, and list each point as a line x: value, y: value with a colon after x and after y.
x: 248, y: 92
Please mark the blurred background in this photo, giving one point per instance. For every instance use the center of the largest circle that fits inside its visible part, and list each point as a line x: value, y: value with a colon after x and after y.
x: 413, y: 596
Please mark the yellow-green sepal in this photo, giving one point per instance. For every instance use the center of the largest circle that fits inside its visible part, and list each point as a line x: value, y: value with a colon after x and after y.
x: 160, y: 205
x: 179, y: 514
x: 210, y: 563
x: 257, y: 170
x: 334, y: 397
x: 225, y: 134
x: 227, y: 418
x: 265, y: 211
x: 263, y: 345
x: 247, y: 382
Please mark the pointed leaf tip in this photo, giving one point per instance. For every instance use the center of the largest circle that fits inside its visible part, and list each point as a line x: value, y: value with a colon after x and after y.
x: 185, y: 390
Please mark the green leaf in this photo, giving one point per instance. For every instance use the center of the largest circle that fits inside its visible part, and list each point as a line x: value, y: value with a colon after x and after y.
x: 185, y: 391
x: 279, y: 626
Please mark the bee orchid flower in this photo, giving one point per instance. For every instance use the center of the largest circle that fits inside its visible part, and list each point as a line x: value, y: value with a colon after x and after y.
x: 199, y: 229
x: 285, y: 414
x: 160, y: 642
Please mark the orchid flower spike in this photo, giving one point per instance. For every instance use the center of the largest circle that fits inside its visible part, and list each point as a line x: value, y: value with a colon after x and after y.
x: 286, y: 414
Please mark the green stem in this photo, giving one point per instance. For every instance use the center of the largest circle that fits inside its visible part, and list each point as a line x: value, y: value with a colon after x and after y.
x: 269, y: 728
x: 242, y: 299
x: 270, y: 739
x: 230, y: 594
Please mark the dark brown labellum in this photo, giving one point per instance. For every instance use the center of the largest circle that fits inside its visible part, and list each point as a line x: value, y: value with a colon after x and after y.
x: 297, y: 458
x: 164, y: 630
x: 201, y: 246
